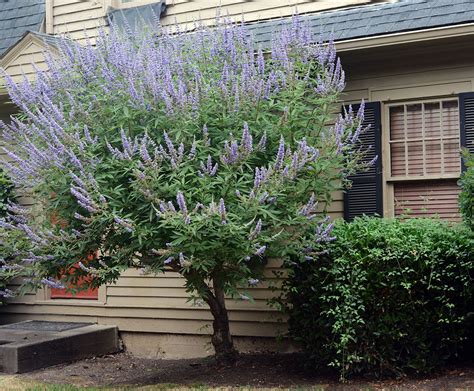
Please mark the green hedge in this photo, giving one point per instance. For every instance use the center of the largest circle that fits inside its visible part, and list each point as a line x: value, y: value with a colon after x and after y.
x: 466, y: 199
x: 386, y: 297
x: 6, y: 193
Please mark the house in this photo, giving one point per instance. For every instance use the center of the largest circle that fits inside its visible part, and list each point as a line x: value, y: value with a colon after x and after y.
x: 412, y: 60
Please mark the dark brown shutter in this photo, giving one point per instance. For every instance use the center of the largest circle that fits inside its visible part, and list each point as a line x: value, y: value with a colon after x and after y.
x: 466, y: 112
x: 365, y: 195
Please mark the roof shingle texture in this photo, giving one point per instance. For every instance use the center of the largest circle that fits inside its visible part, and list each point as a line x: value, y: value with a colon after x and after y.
x: 17, y: 17
x: 380, y: 19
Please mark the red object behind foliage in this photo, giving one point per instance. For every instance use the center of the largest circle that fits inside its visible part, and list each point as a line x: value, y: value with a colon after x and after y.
x: 89, y: 294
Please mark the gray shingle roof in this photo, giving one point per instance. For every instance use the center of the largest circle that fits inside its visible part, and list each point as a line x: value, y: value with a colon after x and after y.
x: 53, y: 40
x: 17, y: 17
x: 366, y: 21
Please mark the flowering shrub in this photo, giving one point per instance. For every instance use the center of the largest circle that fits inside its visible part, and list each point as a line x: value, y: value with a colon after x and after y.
x: 466, y: 198
x: 387, y: 297
x: 194, y: 153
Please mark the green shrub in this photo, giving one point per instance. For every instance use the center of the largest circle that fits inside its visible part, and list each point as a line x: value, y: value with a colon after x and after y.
x: 466, y: 198
x: 387, y: 297
x: 6, y: 189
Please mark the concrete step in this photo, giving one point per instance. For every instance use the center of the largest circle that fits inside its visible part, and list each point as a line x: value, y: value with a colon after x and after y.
x: 31, y: 345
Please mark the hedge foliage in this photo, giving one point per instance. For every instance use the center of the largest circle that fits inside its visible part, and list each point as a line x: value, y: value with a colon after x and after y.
x: 6, y: 189
x: 387, y: 297
x: 466, y: 198
x: 6, y: 193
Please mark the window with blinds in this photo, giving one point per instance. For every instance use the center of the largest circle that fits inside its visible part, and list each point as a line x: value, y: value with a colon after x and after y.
x: 424, y: 139
x: 424, y: 145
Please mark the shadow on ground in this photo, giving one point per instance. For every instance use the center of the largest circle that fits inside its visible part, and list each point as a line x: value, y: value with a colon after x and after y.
x: 123, y: 371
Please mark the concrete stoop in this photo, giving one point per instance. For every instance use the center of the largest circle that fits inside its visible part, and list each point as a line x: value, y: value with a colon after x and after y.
x: 31, y: 345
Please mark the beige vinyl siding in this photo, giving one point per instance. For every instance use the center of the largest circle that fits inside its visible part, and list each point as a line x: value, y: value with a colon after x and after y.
x: 140, y: 303
x: 78, y: 19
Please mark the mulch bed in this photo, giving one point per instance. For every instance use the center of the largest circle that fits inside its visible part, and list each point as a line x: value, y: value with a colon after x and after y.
x: 263, y: 370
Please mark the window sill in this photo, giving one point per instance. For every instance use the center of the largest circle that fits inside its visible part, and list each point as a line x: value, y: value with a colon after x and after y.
x: 74, y: 302
x: 423, y: 178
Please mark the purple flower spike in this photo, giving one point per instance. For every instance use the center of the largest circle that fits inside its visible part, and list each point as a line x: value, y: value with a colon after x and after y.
x: 260, y: 251
x: 246, y: 143
x: 171, y: 207
x: 7, y: 293
x: 182, y: 203
x: 52, y: 283
x: 253, y: 281
x: 257, y: 230
x: 222, y: 211
x: 263, y: 142
x: 280, y: 154
x: 205, y: 135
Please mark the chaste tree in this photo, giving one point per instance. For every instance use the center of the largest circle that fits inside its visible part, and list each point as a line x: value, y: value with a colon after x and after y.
x: 198, y: 153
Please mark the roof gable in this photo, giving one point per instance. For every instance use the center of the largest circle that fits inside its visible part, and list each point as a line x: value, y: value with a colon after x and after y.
x: 28, y: 40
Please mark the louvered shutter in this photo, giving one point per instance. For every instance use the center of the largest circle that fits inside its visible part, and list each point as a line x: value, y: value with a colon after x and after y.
x: 466, y: 112
x: 365, y: 195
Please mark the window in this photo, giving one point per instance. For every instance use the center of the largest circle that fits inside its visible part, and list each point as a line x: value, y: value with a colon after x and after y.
x: 424, y: 155
x: 88, y: 294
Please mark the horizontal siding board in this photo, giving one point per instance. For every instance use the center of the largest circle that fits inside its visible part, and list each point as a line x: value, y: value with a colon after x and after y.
x: 20, y: 317
x: 160, y: 324
x: 248, y: 315
x: 76, y: 29
x: 76, y: 8
x: 260, y: 294
x: 178, y: 302
x: 173, y: 283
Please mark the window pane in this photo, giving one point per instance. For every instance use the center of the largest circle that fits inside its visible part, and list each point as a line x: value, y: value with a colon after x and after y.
x: 452, y: 157
x: 432, y: 120
x: 398, y: 159
x: 433, y: 157
x: 415, y: 158
x: 414, y: 121
x: 427, y: 199
x: 397, y: 123
x: 450, y: 118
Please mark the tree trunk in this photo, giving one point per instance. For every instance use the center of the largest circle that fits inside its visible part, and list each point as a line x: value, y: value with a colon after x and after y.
x: 221, y: 337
